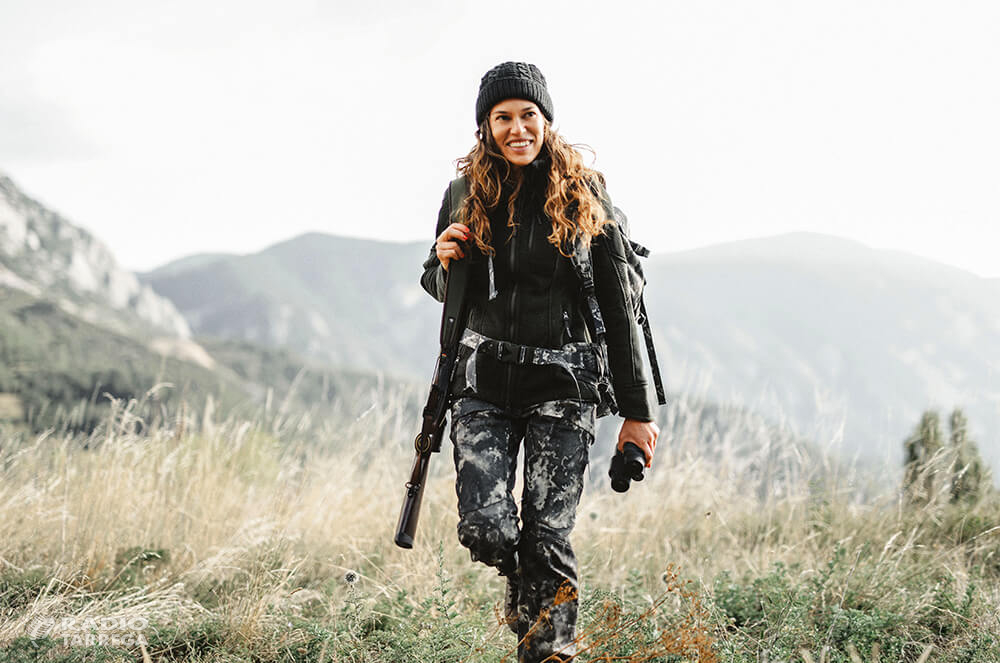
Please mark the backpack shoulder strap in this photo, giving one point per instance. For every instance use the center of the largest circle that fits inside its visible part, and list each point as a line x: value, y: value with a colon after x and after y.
x: 647, y: 332
x: 458, y: 191
x: 585, y: 270
x: 452, y: 319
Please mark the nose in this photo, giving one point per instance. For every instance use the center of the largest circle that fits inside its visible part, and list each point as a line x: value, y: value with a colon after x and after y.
x: 517, y: 126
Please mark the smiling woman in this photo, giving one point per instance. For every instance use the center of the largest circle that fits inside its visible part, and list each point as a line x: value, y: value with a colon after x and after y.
x: 531, y: 369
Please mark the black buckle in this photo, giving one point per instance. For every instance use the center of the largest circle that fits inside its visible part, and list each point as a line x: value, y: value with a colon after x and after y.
x: 512, y: 353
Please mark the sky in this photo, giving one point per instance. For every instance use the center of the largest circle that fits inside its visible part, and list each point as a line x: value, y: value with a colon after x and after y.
x: 177, y: 127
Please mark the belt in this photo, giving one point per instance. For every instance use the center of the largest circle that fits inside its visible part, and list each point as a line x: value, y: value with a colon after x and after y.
x: 579, y: 356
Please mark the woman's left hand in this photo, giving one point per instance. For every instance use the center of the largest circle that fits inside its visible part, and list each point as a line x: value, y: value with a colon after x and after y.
x: 641, y: 433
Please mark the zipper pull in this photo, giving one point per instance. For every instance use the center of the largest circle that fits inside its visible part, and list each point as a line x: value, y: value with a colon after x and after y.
x: 569, y: 334
x: 493, y: 285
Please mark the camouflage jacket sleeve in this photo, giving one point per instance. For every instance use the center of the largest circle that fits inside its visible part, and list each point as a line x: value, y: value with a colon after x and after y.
x: 433, y: 277
x: 628, y: 372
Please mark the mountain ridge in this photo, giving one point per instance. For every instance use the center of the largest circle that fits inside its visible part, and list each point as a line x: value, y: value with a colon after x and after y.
x: 46, y: 255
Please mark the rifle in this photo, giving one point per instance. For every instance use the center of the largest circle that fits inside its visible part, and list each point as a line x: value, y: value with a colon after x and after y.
x: 439, y: 399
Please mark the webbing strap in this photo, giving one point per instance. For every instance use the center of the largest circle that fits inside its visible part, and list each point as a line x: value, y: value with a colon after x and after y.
x: 647, y: 332
x: 584, y: 268
x: 457, y: 278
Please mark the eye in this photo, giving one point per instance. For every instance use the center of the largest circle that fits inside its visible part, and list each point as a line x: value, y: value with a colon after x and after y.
x: 530, y: 114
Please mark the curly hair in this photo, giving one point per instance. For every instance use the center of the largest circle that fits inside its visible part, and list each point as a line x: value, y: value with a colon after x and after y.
x: 570, y: 201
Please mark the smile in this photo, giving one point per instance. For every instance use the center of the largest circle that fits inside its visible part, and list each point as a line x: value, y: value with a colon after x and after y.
x: 519, y: 143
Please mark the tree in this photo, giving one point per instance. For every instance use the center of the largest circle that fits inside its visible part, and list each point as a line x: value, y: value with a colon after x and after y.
x: 923, y: 458
x: 971, y: 478
x: 933, y: 469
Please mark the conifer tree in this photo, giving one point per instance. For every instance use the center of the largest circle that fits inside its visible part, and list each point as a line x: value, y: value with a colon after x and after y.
x: 970, y: 476
x: 922, y: 449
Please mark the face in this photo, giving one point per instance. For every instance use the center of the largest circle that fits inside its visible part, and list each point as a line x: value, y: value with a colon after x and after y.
x: 518, y: 128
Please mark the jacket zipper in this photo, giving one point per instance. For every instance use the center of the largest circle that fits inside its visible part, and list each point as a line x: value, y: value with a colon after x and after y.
x: 513, y: 302
x: 569, y: 334
x: 512, y: 317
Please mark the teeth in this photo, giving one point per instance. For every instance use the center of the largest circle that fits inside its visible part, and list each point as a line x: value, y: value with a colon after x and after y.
x: 519, y: 143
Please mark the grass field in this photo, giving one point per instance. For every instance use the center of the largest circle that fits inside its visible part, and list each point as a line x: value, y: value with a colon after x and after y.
x: 271, y: 540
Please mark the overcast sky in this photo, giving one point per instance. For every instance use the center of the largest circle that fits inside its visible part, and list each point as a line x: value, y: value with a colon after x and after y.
x: 174, y: 127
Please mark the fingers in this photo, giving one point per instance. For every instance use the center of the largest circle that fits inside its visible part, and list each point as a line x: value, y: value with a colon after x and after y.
x: 448, y: 251
x: 655, y: 430
x: 449, y: 248
x: 643, y: 435
x: 449, y: 245
x: 455, y: 231
x: 646, y: 448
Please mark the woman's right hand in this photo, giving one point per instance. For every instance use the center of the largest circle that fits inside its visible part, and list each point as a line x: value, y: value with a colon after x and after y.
x: 449, y: 245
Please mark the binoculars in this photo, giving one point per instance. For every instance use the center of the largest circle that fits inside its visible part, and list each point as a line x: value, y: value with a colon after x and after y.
x: 626, y: 466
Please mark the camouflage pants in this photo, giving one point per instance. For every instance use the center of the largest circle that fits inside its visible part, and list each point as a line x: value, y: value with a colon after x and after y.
x: 557, y: 436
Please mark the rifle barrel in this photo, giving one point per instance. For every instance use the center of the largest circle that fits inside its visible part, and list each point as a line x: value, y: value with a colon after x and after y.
x: 409, y: 514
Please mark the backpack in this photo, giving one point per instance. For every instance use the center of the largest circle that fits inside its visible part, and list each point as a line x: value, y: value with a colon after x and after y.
x: 636, y: 284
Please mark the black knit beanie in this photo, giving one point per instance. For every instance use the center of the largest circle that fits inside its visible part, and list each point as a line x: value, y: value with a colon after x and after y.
x: 512, y: 80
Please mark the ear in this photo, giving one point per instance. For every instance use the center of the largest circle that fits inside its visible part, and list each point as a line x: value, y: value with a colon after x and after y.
x: 483, y: 133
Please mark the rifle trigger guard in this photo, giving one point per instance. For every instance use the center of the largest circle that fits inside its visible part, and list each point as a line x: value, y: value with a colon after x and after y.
x: 422, y: 444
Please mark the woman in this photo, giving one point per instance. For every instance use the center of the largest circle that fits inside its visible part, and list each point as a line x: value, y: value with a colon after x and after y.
x: 530, y: 207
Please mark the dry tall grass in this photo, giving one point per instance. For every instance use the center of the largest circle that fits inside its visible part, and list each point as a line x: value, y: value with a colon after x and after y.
x: 248, y: 523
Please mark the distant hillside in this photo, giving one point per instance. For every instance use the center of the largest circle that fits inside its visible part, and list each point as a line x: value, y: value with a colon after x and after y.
x: 350, y: 302
x: 839, y: 340
x: 47, y: 256
x: 184, y: 264
x: 57, y: 370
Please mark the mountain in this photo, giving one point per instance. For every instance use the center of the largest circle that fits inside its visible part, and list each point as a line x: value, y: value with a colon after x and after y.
x: 351, y: 302
x: 842, y: 340
x: 47, y: 256
x: 845, y: 343
x: 75, y: 327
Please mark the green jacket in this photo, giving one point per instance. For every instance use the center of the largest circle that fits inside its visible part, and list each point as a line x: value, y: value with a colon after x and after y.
x: 539, y: 302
